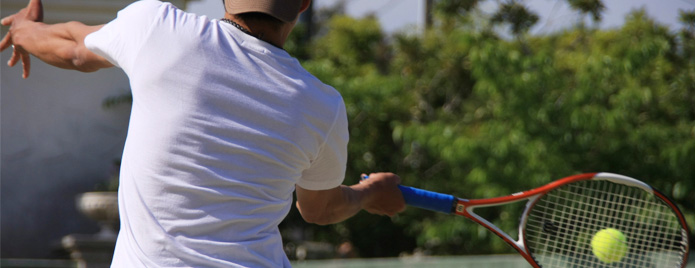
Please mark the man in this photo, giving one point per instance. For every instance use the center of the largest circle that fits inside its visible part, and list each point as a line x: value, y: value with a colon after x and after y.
x: 225, y: 126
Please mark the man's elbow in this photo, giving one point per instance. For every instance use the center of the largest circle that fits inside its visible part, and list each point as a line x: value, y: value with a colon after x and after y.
x: 84, y: 60
x: 82, y: 65
x: 70, y: 59
x: 317, y: 220
x: 315, y: 217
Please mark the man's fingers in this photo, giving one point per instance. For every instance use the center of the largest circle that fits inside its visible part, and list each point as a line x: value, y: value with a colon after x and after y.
x: 18, y: 55
x: 6, y: 21
x: 34, y: 2
x: 14, y: 59
x: 6, y: 42
x: 26, y: 64
x: 35, y: 10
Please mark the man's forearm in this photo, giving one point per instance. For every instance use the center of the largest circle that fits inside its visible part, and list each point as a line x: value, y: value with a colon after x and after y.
x: 61, y: 45
x: 336, y: 205
x: 379, y: 195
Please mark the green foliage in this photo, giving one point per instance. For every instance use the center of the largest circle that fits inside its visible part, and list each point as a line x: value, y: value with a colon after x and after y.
x: 593, y: 7
x: 463, y: 111
x: 295, y: 43
x: 455, y: 8
x: 517, y: 15
x: 351, y: 45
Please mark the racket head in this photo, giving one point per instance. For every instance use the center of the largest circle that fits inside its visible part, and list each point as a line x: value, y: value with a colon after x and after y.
x: 558, y: 225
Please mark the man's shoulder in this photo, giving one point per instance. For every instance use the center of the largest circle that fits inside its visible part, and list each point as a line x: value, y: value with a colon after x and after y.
x: 144, y: 8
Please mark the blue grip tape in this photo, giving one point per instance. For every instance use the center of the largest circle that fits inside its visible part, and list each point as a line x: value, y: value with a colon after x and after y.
x: 428, y: 200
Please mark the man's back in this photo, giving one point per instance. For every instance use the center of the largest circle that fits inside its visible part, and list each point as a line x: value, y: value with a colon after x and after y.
x: 222, y: 128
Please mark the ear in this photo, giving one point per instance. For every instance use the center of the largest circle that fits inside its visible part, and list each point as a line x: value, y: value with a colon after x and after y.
x: 305, y: 5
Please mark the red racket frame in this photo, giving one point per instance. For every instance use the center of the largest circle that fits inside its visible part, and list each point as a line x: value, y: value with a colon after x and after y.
x: 465, y: 207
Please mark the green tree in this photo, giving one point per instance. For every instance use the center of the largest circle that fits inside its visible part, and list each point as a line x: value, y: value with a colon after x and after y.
x: 462, y: 111
x: 520, y: 18
x: 586, y: 7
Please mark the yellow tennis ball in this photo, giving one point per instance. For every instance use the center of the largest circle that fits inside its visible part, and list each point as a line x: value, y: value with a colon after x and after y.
x: 609, y: 245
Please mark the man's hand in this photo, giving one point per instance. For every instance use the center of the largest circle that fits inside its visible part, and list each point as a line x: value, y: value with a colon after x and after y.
x: 32, y: 13
x: 385, y: 198
x: 61, y: 44
x: 379, y: 195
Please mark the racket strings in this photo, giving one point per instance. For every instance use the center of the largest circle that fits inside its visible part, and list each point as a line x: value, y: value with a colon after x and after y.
x: 560, y: 225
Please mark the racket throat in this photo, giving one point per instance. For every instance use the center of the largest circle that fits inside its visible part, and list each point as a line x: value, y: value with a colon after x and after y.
x: 462, y: 208
x: 459, y: 208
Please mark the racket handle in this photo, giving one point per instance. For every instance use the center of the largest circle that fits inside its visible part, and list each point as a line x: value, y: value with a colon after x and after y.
x: 428, y: 200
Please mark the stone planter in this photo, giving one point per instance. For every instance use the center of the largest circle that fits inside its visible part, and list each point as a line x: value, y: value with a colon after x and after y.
x: 95, y: 250
x: 101, y: 207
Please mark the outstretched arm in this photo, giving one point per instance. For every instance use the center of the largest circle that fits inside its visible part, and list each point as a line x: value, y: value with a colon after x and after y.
x: 61, y: 45
x: 378, y: 195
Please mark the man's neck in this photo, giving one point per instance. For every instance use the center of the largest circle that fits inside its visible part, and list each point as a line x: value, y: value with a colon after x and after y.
x: 260, y: 30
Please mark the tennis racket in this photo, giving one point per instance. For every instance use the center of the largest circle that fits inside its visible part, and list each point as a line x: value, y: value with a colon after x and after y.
x: 560, y: 219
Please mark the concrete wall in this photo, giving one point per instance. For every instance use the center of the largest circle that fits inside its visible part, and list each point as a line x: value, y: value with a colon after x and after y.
x: 56, y: 139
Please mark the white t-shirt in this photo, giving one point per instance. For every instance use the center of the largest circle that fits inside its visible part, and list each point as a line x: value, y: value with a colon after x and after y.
x: 223, y: 126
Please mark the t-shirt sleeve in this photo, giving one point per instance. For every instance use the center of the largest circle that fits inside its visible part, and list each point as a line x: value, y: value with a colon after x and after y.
x: 328, y: 169
x: 120, y: 40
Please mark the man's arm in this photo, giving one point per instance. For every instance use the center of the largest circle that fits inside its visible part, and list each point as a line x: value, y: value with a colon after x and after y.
x: 61, y: 45
x: 378, y: 195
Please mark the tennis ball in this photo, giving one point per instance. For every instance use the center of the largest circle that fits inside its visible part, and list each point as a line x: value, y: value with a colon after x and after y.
x: 609, y: 245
